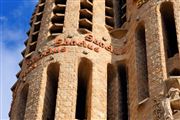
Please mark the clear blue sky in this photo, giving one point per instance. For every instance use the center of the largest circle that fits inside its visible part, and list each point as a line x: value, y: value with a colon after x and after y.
x: 14, y: 23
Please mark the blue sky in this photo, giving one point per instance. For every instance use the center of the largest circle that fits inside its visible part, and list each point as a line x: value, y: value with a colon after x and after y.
x: 14, y: 23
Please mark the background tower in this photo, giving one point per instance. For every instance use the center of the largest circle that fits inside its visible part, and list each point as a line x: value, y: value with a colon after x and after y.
x: 100, y: 59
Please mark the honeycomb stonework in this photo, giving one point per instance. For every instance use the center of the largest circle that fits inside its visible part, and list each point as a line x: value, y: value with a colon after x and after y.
x: 100, y: 60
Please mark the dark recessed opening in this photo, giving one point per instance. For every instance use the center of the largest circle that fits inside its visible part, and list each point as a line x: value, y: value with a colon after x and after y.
x: 51, y: 91
x: 85, y: 22
x: 143, y: 87
x: 39, y: 17
x: 121, y: 18
x: 175, y: 72
x: 85, y: 27
x: 111, y: 93
x: 22, y: 102
x: 34, y: 37
x: 84, y: 89
x: 32, y: 47
x: 109, y: 3
x: 60, y: 1
x: 169, y: 29
x: 41, y: 8
x: 58, y: 19
x: 37, y: 26
x: 91, y: 1
x: 86, y: 15
x: 123, y: 91
x: 56, y: 30
x: 110, y: 21
x: 86, y: 6
x: 109, y: 12
x: 59, y: 10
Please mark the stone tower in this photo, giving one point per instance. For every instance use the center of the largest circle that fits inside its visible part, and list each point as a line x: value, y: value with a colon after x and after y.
x: 100, y: 60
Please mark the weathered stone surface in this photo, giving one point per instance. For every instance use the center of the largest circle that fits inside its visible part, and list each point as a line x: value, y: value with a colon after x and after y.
x: 107, y: 93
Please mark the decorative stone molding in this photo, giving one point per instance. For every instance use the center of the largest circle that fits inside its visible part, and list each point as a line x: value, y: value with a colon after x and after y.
x: 171, y: 101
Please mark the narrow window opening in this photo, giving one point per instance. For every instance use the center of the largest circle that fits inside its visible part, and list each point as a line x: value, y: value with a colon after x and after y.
x: 169, y: 29
x: 32, y: 47
x: 35, y: 36
x: 84, y: 89
x: 111, y: 93
x: 37, y: 26
x: 60, y: 2
x: 41, y: 8
x: 22, y: 102
x: 39, y: 16
x: 121, y: 13
x: 58, y: 18
x: 142, y: 77
x: 123, y: 91
x: 109, y: 19
x: 86, y: 15
x: 51, y: 91
x: 86, y: 5
x: 59, y: 9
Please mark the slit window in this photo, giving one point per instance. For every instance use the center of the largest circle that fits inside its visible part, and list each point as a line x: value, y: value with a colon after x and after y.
x: 142, y: 77
x: 109, y: 19
x: 84, y: 89
x: 58, y: 18
x: 123, y: 91
x: 86, y: 15
x: 111, y: 93
x: 121, y: 13
x: 169, y: 29
x: 22, y: 102
x: 51, y: 91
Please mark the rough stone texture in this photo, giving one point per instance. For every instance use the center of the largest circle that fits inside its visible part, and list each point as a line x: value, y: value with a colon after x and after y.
x: 103, y: 80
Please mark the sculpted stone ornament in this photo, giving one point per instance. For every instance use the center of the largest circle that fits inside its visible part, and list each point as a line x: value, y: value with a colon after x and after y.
x: 167, y: 109
x: 171, y: 103
x: 174, y: 95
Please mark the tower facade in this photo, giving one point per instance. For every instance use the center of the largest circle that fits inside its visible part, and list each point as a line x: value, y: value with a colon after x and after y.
x: 100, y: 60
